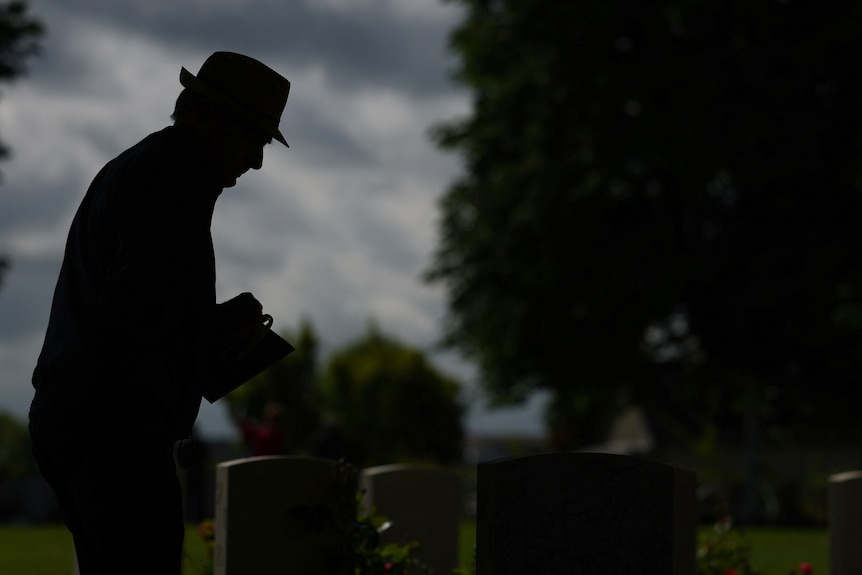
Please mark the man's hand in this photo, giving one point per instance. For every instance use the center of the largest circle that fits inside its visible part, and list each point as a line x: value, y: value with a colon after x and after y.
x: 239, y: 325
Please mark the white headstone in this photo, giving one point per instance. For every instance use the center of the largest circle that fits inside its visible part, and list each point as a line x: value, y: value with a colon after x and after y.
x: 281, y: 515
x: 424, y: 504
x: 845, y: 523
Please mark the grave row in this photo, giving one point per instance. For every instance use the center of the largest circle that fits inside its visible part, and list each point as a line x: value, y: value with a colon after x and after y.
x: 554, y: 514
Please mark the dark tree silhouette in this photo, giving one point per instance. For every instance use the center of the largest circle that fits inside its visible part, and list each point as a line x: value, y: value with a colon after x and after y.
x: 19, y: 35
x: 19, y: 40
x: 660, y: 200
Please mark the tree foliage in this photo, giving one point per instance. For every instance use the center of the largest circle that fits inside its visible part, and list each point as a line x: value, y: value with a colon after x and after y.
x: 16, y: 458
x: 19, y: 36
x: 19, y: 40
x: 393, y: 402
x: 376, y: 401
x: 655, y: 194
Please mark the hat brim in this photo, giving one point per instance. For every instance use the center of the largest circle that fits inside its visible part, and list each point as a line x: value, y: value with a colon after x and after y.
x: 192, y: 82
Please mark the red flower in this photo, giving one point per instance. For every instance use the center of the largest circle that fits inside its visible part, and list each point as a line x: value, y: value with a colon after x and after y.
x: 805, y: 568
x: 207, y: 529
x: 731, y: 572
x: 388, y: 567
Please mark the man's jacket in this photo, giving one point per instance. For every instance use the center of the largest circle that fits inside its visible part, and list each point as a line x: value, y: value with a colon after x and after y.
x: 128, y: 335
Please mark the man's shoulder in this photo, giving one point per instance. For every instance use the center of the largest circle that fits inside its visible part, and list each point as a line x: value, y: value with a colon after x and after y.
x: 167, y: 141
x: 168, y: 152
x: 148, y: 147
x: 155, y: 168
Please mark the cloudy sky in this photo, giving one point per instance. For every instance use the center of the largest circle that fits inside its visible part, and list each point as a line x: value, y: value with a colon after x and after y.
x: 337, y: 229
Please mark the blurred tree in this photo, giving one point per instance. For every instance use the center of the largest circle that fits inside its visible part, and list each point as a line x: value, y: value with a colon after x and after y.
x: 19, y: 34
x: 16, y: 458
x: 660, y: 202
x: 290, y: 384
x: 393, y: 402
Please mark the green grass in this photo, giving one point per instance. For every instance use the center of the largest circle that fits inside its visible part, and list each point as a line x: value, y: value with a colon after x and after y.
x: 43, y: 549
x: 48, y: 550
x: 776, y: 551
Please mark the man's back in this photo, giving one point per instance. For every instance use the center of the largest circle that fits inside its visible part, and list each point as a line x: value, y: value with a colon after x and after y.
x: 136, y: 286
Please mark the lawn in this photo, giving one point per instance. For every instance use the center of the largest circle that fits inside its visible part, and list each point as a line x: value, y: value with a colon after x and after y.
x: 47, y: 550
x: 44, y: 549
x: 777, y: 551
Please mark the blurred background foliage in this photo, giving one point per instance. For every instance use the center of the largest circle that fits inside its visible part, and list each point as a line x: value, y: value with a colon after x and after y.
x: 20, y: 34
x: 374, y: 401
x: 16, y: 459
x: 659, y: 206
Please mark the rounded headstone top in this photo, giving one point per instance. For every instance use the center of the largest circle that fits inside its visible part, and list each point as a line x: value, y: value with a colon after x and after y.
x: 845, y: 476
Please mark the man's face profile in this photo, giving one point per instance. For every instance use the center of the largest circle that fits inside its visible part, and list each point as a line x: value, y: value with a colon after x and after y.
x: 242, y: 150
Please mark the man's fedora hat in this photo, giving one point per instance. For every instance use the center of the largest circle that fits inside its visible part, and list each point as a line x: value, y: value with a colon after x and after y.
x: 244, y: 85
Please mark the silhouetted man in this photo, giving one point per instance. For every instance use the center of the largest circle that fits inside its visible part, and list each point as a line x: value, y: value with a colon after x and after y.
x: 135, y: 333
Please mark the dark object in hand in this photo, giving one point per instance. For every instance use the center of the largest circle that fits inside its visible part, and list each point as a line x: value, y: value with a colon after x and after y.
x: 244, y: 345
x: 240, y: 324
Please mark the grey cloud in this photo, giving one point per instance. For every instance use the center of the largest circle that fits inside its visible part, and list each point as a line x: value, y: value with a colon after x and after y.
x: 25, y: 297
x: 387, y: 241
x: 42, y: 205
x: 362, y: 46
x: 324, y: 144
x: 57, y: 67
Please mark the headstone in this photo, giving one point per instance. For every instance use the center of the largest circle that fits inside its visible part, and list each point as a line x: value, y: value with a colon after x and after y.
x: 845, y: 523
x: 424, y: 504
x: 585, y: 514
x: 281, y: 515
